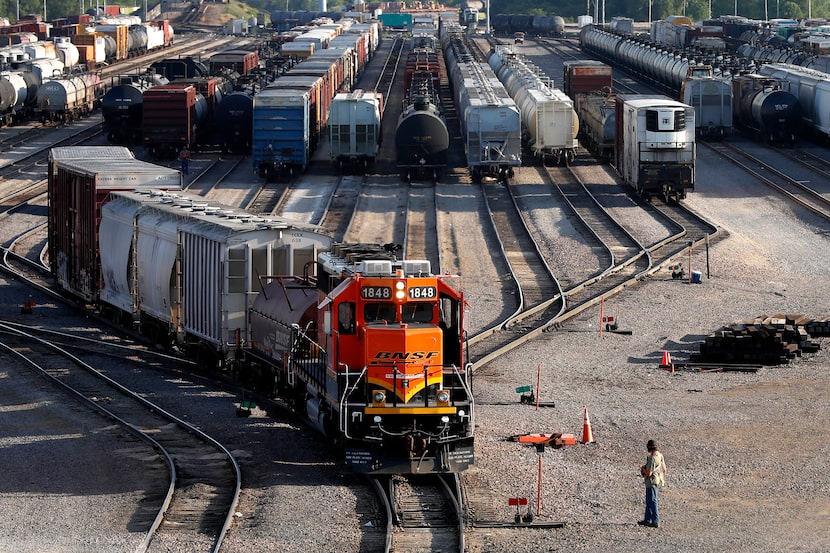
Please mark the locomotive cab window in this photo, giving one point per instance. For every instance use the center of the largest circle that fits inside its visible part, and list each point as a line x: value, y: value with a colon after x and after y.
x: 417, y: 313
x: 345, y: 318
x: 379, y: 312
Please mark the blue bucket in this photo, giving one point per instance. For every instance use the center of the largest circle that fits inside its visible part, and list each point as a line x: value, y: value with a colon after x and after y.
x: 696, y: 277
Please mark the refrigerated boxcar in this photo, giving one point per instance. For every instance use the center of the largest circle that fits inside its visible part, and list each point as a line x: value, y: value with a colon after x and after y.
x: 655, y: 145
x: 79, y: 180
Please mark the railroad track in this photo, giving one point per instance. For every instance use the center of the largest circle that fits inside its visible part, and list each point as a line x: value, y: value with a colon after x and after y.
x: 204, y: 478
x: 421, y: 234
x: 792, y: 189
x: 423, y: 513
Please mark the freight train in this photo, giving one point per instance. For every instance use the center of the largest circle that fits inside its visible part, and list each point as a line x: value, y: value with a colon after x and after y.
x: 531, y: 25
x: 675, y: 72
x: 66, y: 53
x: 548, y: 118
x: 370, y: 348
x: 653, y: 138
x: 491, y: 127
x: 221, y: 105
x: 811, y: 88
x: 421, y: 137
x: 290, y: 114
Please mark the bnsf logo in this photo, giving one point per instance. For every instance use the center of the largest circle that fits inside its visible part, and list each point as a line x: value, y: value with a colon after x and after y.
x: 405, y: 355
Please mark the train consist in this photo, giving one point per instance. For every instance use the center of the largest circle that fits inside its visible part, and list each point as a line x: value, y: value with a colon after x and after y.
x: 675, y: 73
x: 369, y: 347
x: 145, y: 108
x: 49, y: 69
x: 548, y: 118
x: 290, y: 114
x: 531, y: 25
x: 490, y: 122
x: 811, y: 88
x: 372, y: 351
x: 421, y: 136
x: 654, y: 135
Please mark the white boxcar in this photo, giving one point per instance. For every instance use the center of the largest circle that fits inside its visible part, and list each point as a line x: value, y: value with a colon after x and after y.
x: 191, y: 267
x: 811, y: 87
x: 550, y: 122
x: 655, y: 145
x: 354, y: 128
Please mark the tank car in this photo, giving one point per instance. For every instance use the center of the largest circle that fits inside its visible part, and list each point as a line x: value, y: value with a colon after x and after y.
x: 421, y: 136
x: 68, y: 97
x: 655, y: 145
x: 675, y: 72
x: 811, y: 88
x: 354, y: 129
x: 765, y: 109
x: 490, y: 122
x: 548, y: 117
x: 185, y: 269
x: 371, y: 351
x: 122, y: 106
x: 233, y: 121
x: 180, y: 68
x: 18, y: 95
x: 590, y: 83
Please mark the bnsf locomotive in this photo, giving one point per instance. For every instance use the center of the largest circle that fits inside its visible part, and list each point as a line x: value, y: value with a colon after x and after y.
x: 371, y: 351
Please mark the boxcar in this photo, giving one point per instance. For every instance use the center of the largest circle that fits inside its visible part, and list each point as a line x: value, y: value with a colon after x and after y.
x: 655, y: 145
x: 281, y: 131
x: 172, y: 116
x: 79, y: 180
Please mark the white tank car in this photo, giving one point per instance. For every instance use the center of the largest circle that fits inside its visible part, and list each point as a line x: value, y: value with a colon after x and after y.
x: 190, y: 267
x: 550, y: 122
x: 68, y: 97
x: 655, y: 145
x: 66, y: 51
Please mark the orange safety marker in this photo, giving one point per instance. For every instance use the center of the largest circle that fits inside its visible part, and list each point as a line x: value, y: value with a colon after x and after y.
x: 666, y: 362
x: 587, y: 434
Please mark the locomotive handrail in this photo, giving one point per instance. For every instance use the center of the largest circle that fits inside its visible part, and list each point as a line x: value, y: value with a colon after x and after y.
x: 348, y: 391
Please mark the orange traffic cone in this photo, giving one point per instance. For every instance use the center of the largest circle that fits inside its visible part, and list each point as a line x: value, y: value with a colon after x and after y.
x: 666, y: 363
x: 587, y: 435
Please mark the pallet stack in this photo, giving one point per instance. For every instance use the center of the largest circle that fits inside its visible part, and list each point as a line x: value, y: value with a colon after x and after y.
x: 765, y: 340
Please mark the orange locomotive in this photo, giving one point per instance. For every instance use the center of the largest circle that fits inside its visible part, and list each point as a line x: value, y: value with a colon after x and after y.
x: 371, y: 351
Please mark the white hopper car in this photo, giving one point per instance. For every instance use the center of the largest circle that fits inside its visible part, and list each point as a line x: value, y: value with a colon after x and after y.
x: 189, y: 268
x: 490, y: 122
x: 550, y: 122
x: 354, y: 128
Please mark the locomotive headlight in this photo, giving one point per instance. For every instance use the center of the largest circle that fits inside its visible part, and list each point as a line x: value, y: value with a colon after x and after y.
x: 443, y: 397
x: 400, y: 290
x: 378, y: 398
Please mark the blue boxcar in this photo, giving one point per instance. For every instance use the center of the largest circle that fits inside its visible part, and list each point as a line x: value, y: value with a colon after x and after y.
x: 281, y: 142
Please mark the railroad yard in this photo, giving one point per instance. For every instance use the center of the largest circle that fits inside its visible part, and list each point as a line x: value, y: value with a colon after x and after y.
x: 746, y: 445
